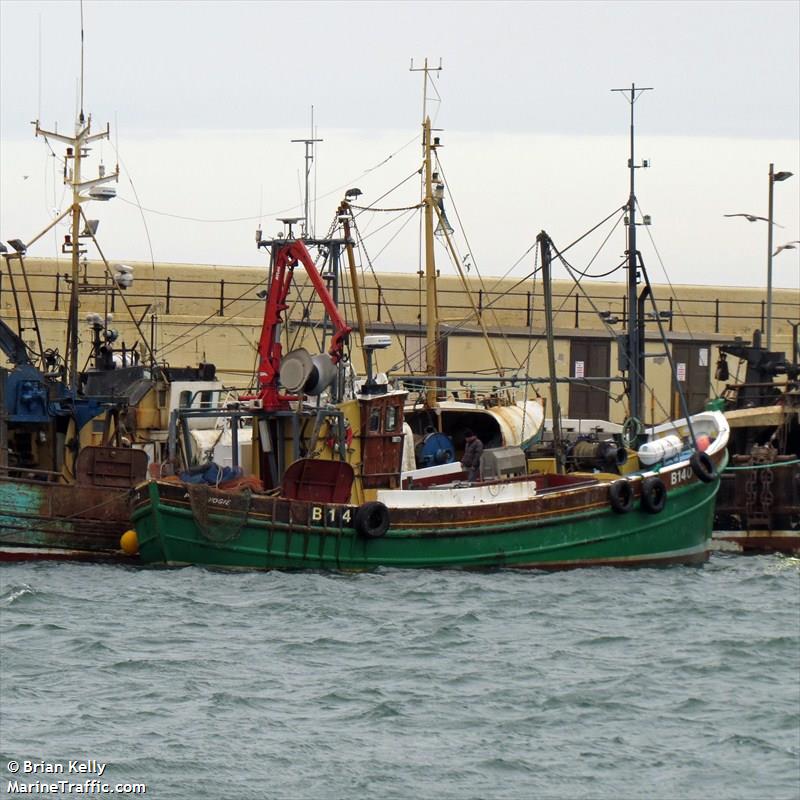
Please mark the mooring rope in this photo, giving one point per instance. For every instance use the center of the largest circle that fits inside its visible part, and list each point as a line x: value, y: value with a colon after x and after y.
x: 772, y: 465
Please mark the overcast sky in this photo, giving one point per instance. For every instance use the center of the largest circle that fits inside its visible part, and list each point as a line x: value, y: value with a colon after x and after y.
x: 203, y: 98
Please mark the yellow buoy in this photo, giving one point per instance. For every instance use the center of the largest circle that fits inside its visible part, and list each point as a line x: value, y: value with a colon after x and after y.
x: 129, y: 542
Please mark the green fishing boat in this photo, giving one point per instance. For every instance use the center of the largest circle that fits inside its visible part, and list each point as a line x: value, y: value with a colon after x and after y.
x: 536, y: 521
x: 338, y: 479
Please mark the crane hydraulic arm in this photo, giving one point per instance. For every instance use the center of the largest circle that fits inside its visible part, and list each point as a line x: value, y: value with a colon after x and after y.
x: 13, y: 346
x: 286, y: 257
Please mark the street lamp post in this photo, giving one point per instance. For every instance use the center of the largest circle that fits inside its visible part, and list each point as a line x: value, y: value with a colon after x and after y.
x: 773, y: 177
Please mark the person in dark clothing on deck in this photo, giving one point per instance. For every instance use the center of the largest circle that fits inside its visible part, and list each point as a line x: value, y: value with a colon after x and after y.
x: 471, y: 460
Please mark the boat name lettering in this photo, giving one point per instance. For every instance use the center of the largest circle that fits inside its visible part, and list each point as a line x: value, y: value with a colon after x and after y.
x: 219, y: 501
x: 319, y: 515
x: 680, y: 475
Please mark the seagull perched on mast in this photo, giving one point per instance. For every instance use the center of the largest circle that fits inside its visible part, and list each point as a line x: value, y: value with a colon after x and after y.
x: 787, y: 246
x: 751, y: 218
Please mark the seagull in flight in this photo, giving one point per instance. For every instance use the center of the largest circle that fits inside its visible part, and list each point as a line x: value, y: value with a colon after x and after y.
x: 751, y: 218
x: 787, y: 246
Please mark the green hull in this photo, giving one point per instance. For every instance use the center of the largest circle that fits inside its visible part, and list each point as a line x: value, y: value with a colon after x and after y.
x: 546, y: 532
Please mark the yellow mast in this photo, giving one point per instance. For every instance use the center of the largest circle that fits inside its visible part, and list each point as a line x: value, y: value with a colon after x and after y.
x: 72, y: 324
x: 431, y: 305
x: 344, y: 215
x: 431, y: 302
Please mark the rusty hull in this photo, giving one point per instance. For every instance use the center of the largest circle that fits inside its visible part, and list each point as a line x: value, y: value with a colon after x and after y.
x: 48, y: 520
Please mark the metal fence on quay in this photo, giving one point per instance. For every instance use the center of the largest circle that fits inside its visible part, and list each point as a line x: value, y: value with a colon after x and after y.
x: 514, y: 309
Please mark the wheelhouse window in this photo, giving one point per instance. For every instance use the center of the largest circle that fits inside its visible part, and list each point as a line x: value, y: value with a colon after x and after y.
x: 206, y: 398
x: 374, y: 420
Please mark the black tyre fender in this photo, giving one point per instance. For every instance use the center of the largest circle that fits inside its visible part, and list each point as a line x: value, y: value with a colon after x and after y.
x: 372, y: 520
x: 703, y: 467
x: 654, y: 495
x: 620, y: 495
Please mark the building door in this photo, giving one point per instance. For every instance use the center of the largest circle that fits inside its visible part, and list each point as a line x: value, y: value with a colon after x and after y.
x: 692, y: 372
x: 589, y: 358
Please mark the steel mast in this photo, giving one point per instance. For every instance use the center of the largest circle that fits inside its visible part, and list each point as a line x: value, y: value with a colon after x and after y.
x: 77, y: 150
x: 635, y: 337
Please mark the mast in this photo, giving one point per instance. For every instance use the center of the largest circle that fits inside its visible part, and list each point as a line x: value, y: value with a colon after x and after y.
x: 431, y: 311
x: 634, y: 338
x: 76, y: 150
x: 82, y: 191
x: 547, y: 286
x: 308, y: 228
x: 344, y: 213
x: 431, y: 304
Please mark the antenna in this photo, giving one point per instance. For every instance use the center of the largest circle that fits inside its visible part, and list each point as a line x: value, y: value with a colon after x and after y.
x: 635, y: 335
x: 309, y: 158
x: 39, y: 110
x: 82, y: 118
x: 314, y: 213
x: 426, y: 69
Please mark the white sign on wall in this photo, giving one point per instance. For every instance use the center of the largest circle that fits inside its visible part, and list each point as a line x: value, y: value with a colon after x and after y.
x: 681, y: 371
x: 702, y: 357
x: 579, y: 369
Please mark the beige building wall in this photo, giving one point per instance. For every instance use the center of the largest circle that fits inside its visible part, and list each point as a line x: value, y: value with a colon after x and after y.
x: 212, y: 313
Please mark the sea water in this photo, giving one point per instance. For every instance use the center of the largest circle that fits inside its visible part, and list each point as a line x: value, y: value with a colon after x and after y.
x: 598, y: 683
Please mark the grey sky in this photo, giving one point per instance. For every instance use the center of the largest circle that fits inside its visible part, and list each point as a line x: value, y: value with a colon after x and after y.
x: 529, y: 121
x: 721, y: 68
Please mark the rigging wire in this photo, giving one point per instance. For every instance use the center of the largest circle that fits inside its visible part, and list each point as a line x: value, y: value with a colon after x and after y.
x: 172, y: 345
x: 462, y: 323
x: 269, y: 213
x: 409, y: 218
x: 684, y: 317
x: 530, y: 328
x: 138, y: 204
x: 470, y: 251
x: 394, y: 188
x: 532, y: 274
x: 632, y: 367
x: 568, y: 247
x: 402, y: 208
x: 669, y: 282
x: 394, y: 326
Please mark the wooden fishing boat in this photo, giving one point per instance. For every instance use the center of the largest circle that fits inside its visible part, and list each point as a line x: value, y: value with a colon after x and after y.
x: 349, y: 504
x: 536, y: 520
x: 334, y: 483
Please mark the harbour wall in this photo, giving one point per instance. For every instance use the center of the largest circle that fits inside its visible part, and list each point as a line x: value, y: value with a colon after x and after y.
x: 190, y: 313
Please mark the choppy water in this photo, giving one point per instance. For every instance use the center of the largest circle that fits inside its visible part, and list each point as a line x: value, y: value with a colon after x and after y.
x: 668, y: 683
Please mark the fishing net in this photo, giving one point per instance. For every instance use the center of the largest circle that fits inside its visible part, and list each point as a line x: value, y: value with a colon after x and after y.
x: 219, y: 518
